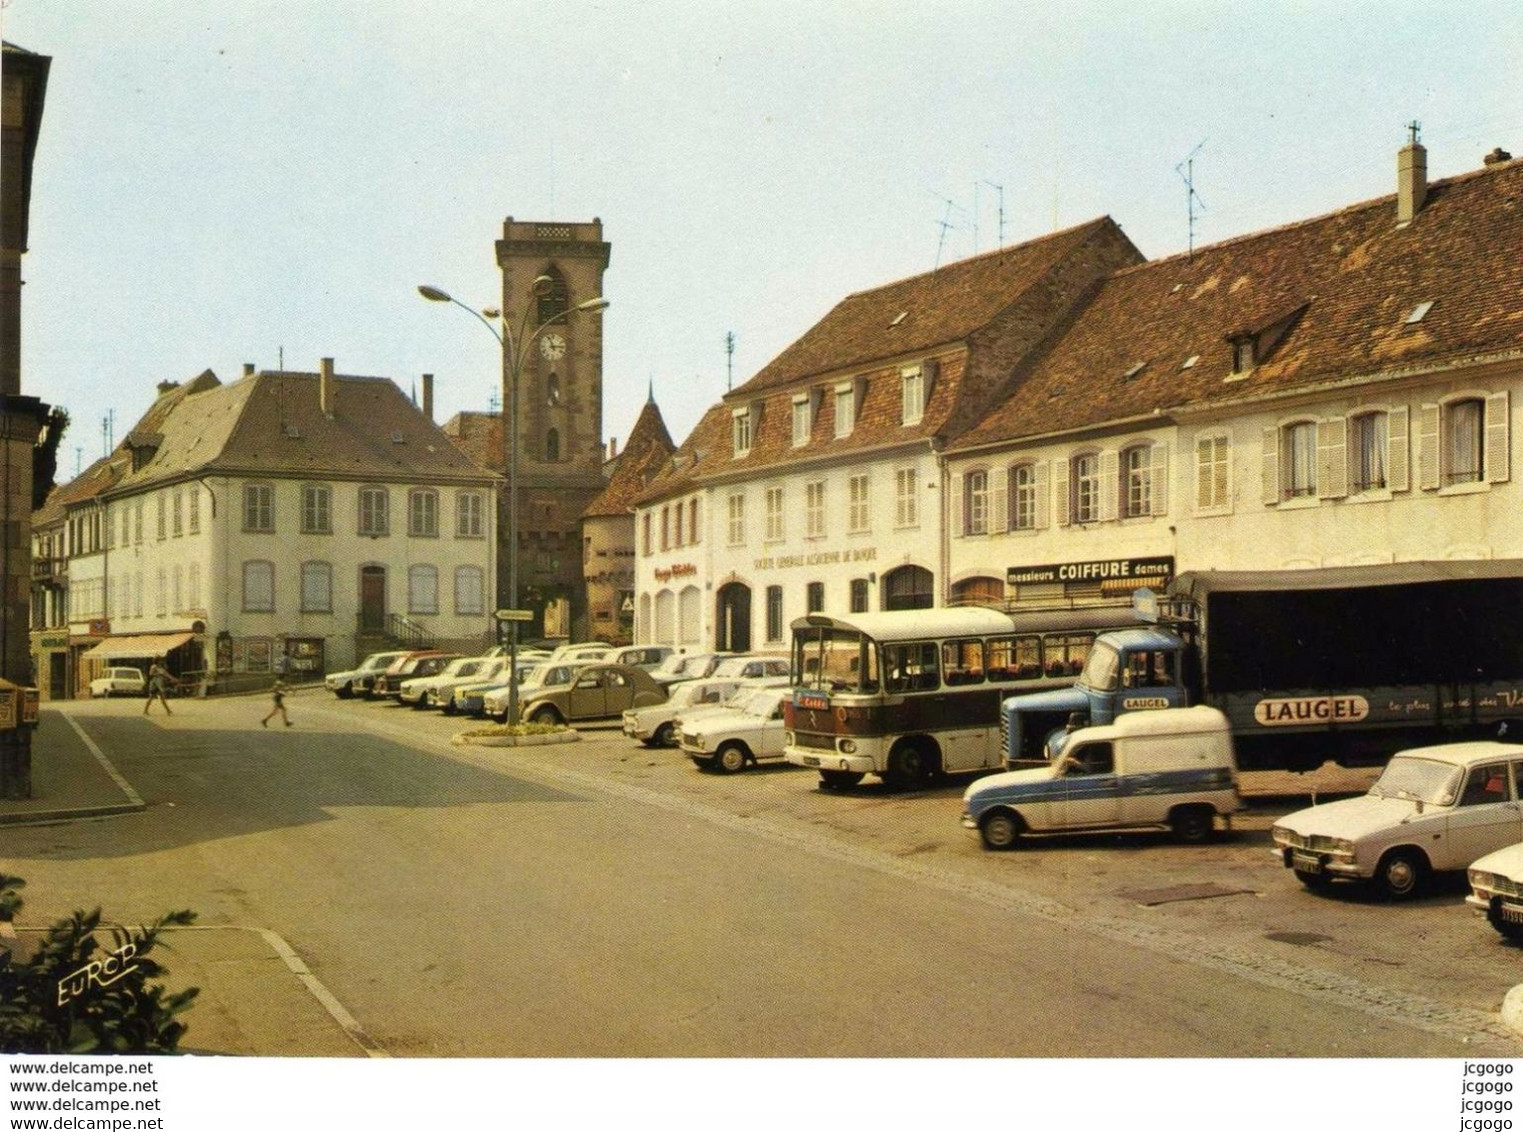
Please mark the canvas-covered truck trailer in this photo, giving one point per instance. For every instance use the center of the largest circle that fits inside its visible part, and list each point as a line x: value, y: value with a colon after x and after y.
x: 1348, y: 663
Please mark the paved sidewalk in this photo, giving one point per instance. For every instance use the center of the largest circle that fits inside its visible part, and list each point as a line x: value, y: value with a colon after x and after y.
x: 71, y: 778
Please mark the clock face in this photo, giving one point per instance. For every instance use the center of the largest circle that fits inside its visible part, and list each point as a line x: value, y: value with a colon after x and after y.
x: 552, y: 347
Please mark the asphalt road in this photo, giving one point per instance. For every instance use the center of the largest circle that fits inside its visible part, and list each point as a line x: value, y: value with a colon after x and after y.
x: 601, y: 899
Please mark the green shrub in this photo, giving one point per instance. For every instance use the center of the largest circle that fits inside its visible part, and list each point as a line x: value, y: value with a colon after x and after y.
x: 73, y: 996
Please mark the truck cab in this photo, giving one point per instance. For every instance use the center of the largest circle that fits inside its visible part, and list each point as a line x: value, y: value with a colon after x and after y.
x: 1128, y: 670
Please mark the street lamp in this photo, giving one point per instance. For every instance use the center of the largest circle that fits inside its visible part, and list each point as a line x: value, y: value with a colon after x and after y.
x: 515, y: 349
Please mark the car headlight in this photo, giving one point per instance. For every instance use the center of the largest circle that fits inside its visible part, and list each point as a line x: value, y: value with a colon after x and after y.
x: 848, y: 746
x: 1480, y: 879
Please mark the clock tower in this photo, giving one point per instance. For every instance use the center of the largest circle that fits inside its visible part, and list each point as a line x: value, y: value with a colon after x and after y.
x: 560, y: 412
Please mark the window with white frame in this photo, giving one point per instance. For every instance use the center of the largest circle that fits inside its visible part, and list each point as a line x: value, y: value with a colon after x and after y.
x: 316, y: 587
x: 774, y: 514
x: 1023, y: 497
x: 423, y: 513
x: 1369, y: 444
x: 1084, y: 481
x: 859, y: 511
x: 470, y: 591
x: 666, y: 527
x: 906, y: 498
x: 736, y: 505
x: 163, y: 527
x: 814, y: 509
x: 422, y: 589
x: 193, y: 585
x: 803, y: 420
x: 137, y: 522
x: 692, y: 520
x: 316, y: 509
x: 375, y: 516
x: 161, y: 592
x: 1137, y: 481
x: 774, y: 613
x: 258, y: 587
x: 846, y: 408
x: 1464, y: 432
x: 137, y: 593
x: 645, y: 529
x: 177, y: 513
x: 913, y: 393
x: 741, y: 431
x: 258, y: 507
x: 975, y: 505
x: 1298, y: 460
x: 194, y: 519
x: 470, y: 515
x: 1211, y: 456
x: 177, y: 588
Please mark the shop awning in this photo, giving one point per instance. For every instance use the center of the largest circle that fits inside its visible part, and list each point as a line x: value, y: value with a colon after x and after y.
x: 146, y: 645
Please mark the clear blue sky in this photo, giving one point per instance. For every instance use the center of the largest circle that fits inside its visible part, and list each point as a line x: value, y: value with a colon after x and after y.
x: 218, y: 182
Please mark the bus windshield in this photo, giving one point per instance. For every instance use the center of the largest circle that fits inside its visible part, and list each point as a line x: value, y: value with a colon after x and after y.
x: 1101, y: 669
x: 837, y: 660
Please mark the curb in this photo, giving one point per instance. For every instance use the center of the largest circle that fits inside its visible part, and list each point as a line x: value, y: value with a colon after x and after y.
x: 47, y: 817
x: 465, y: 740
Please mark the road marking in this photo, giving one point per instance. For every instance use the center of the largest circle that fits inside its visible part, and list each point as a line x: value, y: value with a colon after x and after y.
x: 122, y: 783
x: 1482, y: 1030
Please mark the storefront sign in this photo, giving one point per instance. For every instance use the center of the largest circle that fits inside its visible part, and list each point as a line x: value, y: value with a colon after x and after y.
x: 680, y: 570
x: 1143, y: 571
x: 817, y: 558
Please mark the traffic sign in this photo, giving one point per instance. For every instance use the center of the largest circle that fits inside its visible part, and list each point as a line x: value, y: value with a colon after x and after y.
x: 515, y: 615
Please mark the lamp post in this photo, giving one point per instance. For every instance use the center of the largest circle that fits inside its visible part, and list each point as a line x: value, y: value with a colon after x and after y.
x: 515, y: 350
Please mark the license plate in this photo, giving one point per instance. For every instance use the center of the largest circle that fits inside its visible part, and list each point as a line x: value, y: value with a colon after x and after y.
x: 1510, y: 913
x: 810, y: 760
x: 1305, y: 863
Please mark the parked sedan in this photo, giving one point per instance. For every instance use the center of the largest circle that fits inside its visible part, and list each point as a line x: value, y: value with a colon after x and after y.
x: 410, y: 666
x: 731, y: 740
x: 357, y: 681
x: 534, y: 679
x: 599, y: 691
x: 119, y: 682
x: 687, y: 666
x: 1431, y: 809
x: 751, y: 667
x: 1496, y: 890
x: 434, y: 691
x: 654, y: 725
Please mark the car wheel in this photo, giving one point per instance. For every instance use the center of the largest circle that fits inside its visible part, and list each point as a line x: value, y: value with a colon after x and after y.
x: 1512, y: 933
x: 730, y: 758
x: 1000, y: 830
x: 910, y: 766
x: 839, y: 779
x: 665, y: 736
x: 544, y: 714
x: 448, y: 707
x: 1193, y: 824
x: 1400, y: 873
x: 344, y: 691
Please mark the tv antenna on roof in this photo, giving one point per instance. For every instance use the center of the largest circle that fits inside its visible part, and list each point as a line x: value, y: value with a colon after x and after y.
x: 1186, y: 171
x: 945, y: 223
x: 729, y: 359
x: 1000, y: 189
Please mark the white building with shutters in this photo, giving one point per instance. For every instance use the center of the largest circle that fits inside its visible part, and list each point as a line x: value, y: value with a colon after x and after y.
x: 1340, y: 391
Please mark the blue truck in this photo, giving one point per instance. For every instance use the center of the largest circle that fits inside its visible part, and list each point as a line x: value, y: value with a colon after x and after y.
x: 1349, y: 663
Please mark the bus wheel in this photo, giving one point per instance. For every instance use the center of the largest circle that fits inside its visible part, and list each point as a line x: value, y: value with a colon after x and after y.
x: 730, y: 758
x: 910, y: 766
x: 1193, y: 824
x: 839, y: 779
x: 1000, y: 830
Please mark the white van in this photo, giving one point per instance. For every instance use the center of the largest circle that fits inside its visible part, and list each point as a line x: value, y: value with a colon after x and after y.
x: 1171, y: 768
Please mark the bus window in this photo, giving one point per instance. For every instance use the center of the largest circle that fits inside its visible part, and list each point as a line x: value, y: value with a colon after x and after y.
x: 1103, y: 669
x: 911, y: 667
x: 1064, y: 654
x: 1014, y: 658
x: 962, y: 662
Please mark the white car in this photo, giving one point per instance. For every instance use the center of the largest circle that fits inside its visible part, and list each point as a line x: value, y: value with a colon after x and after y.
x: 357, y: 681
x: 730, y: 740
x: 687, y: 666
x: 1431, y: 809
x: 648, y: 657
x: 654, y: 725
x: 434, y: 691
x: 119, y: 682
x: 750, y: 667
x: 1496, y: 890
x: 584, y: 653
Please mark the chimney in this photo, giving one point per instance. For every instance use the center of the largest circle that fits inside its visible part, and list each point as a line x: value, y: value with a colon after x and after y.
x: 428, y: 396
x: 248, y: 369
x: 1411, y: 179
x: 325, y: 386
x: 613, y: 447
x: 1497, y: 156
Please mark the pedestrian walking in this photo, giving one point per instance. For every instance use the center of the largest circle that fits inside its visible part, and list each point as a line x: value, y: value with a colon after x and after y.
x: 278, y: 691
x: 158, y: 686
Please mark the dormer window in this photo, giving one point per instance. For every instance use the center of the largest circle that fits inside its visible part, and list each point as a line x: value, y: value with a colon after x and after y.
x: 1243, y: 354
x: 741, y: 431
x: 846, y: 408
x: 913, y: 378
x: 803, y: 419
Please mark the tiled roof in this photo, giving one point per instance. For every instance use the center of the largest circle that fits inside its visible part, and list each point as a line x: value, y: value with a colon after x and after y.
x: 1330, y: 297
x: 271, y: 424
x: 919, y: 313
x: 479, y: 436
x: 647, y: 449
x: 679, y: 471
x: 97, y: 478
